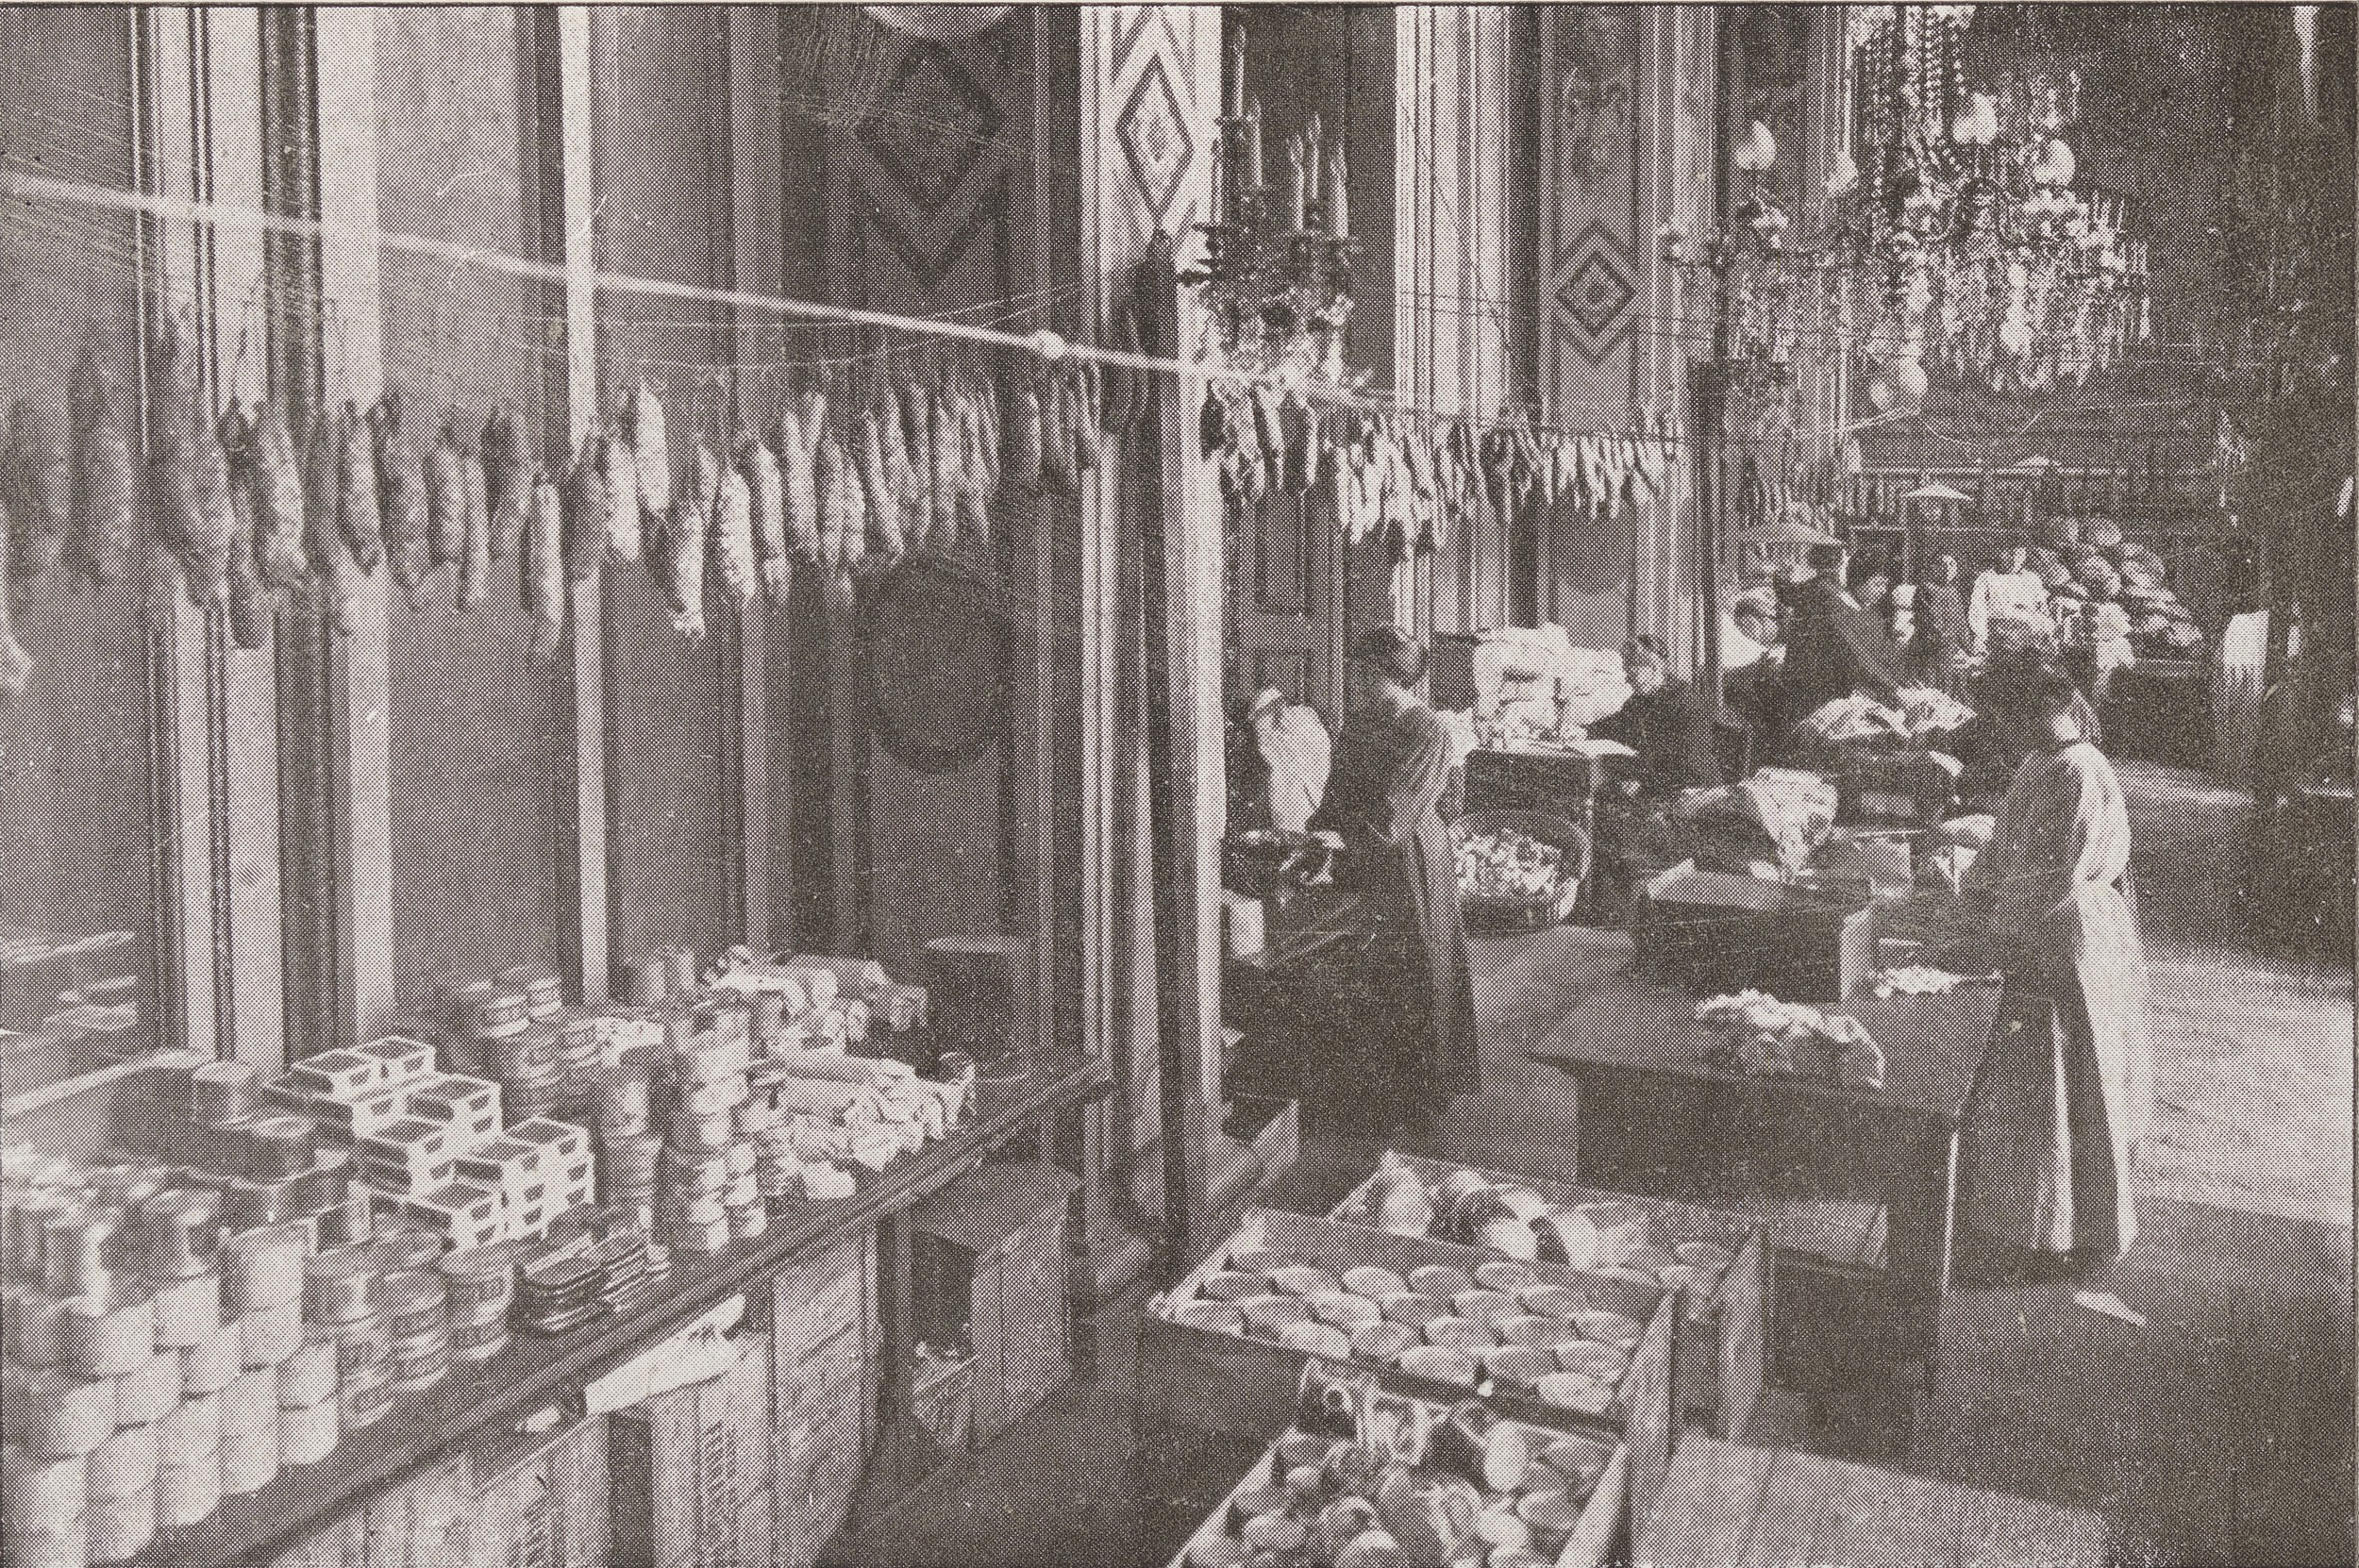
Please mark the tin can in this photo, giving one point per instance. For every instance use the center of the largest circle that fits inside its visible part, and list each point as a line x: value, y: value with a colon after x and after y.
x: 359, y: 1409
x: 273, y: 1334
x: 151, y: 1391
x: 413, y: 1303
x: 309, y: 1377
x: 339, y: 1286
x: 708, y: 1132
x: 365, y: 1347
x: 310, y: 1433
x: 120, y: 1528
x: 251, y: 1401
x: 192, y: 1434
x: 254, y: 1204
x: 280, y: 1147
x: 186, y: 1309
x: 40, y: 1493
x: 125, y: 1465
x: 249, y: 1461
x: 222, y: 1093
x: 479, y: 1341
x: 106, y: 1337
x: 186, y: 1495
x: 58, y: 1416
x: 480, y: 1279
x: 262, y: 1269
x: 213, y: 1363
x: 347, y: 1223
x: 407, y: 1250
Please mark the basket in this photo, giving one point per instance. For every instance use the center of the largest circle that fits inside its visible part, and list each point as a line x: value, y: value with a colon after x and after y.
x: 1494, y: 912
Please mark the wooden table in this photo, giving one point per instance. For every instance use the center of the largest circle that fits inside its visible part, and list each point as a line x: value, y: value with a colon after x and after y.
x: 1777, y: 1507
x: 1658, y: 1115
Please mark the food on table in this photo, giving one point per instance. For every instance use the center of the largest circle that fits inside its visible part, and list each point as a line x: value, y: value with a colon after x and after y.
x: 1345, y: 1309
x: 1611, y: 1328
x: 1484, y: 1306
x: 1557, y: 1301
x: 1374, y: 1283
x: 1383, y: 1342
x: 1534, y: 1332
x: 1316, y: 1338
x: 1590, y: 1358
x: 1507, y: 864
x: 1575, y: 1391
x: 1218, y: 1316
x: 1517, y: 1366
x: 1413, y: 1309
x: 1507, y: 1276
x: 1271, y: 1314
x: 1442, y: 1281
x: 1442, y: 1363
x: 1235, y: 1287
x: 1455, y: 1333
x: 1762, y: 1036
x: 1303, y: 1281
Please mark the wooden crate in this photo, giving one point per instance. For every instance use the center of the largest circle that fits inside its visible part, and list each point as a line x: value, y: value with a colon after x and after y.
x: 690, y: 1471
x: 1719, y: 1348
x: 1214, y: 1382
x: 993, y: 1243
x: 1595, y: 1541
x: 542, y: 1500
x: 425, y: 1520
x: 1711, y: 934
x: 824, y: 1402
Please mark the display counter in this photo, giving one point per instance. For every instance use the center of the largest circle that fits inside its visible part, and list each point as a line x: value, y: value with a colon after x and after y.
x: 539, y: 1374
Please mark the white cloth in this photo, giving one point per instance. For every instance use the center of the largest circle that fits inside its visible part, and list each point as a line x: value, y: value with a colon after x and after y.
x: 2064, y: 1092
x: 2017, y: 595
x: 1295, y: 747
x: 2236, y: 695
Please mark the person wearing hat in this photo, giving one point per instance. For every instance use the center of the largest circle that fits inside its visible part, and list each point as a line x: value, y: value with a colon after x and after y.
x: 1836, y: 645
x: 1406, y: 1038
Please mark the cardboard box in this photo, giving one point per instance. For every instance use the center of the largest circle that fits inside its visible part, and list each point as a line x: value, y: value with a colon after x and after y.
x: 688, y: 1471
x: 403, y: 1058
x: 339, y: 1073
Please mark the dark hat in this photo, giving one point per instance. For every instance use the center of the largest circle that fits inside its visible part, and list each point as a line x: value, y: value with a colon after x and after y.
x: 1393, y: 652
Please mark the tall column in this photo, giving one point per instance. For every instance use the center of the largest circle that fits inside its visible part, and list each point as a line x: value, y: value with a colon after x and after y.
x: 1450, y: 242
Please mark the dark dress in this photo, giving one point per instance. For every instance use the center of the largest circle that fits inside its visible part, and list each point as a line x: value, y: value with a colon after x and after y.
x: 1942, y: 630
x: 1405, y: 1026
x: 1672, y: 732
x: 1833, y: 648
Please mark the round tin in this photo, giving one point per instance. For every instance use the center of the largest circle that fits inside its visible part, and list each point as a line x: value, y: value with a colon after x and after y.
x: 262, y: 1269
x: 631, y: 1162
x: 186, y: 1309
x: 309, y: 1434
x: 179, y: 1224
x: 481, y: 1278
x: 423, y: 1366
x: 149, y: 1391
x: 254, y: 1205
x: 339, y: 1286
x: 58, y: 1416
x: 479, y: 1340
x: 210, y: 1364
x: 705, y: 1131
x: 250, y: 1401
x: 748, y: 1221
x: 186, y: 1495
x: 500, y: 1004
x: 696, y: 1174
x: 223, y: 1093
x: 740, y: 1158
x: 327, y: 1183
x: 120, y: 1528
x: 192, y: 1434
x: 125, y: 1465
x: 280, y: 1147
x: 347, y: 1223
x: 402, y: 1251
x: 42, y: 1494
x: 273, y: 1334
x: 359, y: 1409
x: 530, y: 1053
x: 105, y: 1338
x: 742, y: 1190
x: 249, y: 1461
x: 309, y: 1377
x: 364, y: 1346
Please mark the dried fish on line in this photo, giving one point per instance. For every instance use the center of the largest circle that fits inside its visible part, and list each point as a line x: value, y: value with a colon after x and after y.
x: 252, y: 604
x: 544, y: 571
x: 509, y: 468
x: 275, y: 481
x: 650, y: 444
x: 766, y: 491
x: 104, y: 542
x: 732, y: 538
x: 40, y: 488
x: 589, y: 511
x: 401, y: 496
x: 885, y: 539
x: 800, y: 485
x: 335, y: 575
x: 445, y: 498
x: 618, y: 465
x: 475, y: 556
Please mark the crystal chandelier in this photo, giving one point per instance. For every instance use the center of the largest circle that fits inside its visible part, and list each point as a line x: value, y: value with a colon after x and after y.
x: 1955, y: 237
x: 1276, y: 276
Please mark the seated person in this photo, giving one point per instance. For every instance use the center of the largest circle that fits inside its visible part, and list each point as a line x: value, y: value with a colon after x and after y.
x: 1665, y: 722
x: 1750, y: 688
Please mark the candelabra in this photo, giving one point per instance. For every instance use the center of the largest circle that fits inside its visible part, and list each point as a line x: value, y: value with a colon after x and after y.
x: 1277, y: 270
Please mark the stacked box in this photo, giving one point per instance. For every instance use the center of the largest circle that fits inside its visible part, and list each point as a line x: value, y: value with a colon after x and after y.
x: 337, y: 1075
x: 409, y: 1157
x: 470, y: 1107
x: 403, y: 1058
x: 467, y: 1213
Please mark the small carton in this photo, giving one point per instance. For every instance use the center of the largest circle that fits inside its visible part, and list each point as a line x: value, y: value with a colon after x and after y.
x: 557, y: 1145
x: 363, y: 1116
x: 470, y: 1107
x: 469, y: 1213
x: 339, y: 1075
x: 404, y: 1059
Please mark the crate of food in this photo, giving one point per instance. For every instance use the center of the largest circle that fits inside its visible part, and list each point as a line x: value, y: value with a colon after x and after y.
x: 1223, y: 1350
x: 1375, y: 1480
x: 1711, y: 934
x: 1719, y: 1263
x: 1518, y: 870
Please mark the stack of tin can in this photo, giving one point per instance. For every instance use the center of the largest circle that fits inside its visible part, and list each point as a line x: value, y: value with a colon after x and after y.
x: 414, y: 1305
x: 708, y: 1172
x: 479, y: 1288
x: 341, y: 1308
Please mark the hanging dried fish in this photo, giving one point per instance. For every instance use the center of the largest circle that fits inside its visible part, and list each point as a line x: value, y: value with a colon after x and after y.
x: 800, y: 486
x: 401, y: 496
x: 828, y: 469
x: 205, y: 566
x: 475, y: 532
x: 335, y: 575
x: 885, y: 540
x: 626, y: 526
x: 1024, y: 453
x: 854, y: 505
x: 1211, y: 423
x: 40, y: 488
x: 987, y: 414
x: 681, y: 562
x: 174, y: 419
x: 508, y: 471
x: 176, y: 505
x: 445, y: 499
x: 942, y: 457
x: 973, y: 490
x: 1129, y: 394
x: 16, y: 665
x: 104, y: 541
x: 589, y: 511
x: 1087, y: 430
x: 900, y: 470
x: 251, y: 601
x: 734, y: 557
x: 356, y: 491
x: 275, y: 482
x: 652, y: 447
x: 543, y: 571
x: 1270, y: 429
x: 765, y: 492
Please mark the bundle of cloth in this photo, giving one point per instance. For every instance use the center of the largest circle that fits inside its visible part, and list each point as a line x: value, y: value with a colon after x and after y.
x: 1773, y: 822
x: 1534, y: 678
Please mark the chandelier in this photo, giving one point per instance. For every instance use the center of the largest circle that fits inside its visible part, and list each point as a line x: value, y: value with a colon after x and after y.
x: 1276, y: 278
x: 1953, y: 237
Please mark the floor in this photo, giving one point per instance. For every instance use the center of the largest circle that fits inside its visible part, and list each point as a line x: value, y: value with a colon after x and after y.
x: 2218, y: 1431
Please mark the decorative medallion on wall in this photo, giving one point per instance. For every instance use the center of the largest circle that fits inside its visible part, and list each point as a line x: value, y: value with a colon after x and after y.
x: 1155, y: 141
x: 937, y: 643
x: 1595, y: 290
x: 933, y: 127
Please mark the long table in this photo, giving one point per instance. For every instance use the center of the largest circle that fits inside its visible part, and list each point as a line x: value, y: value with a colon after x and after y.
x: 1658, y: 1114
x: 535, y: 1373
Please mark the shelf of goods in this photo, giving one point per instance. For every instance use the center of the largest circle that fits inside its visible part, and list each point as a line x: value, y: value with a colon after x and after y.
x: 1222, y: 1352
x: 1415, y: 1483
x: 1717, y: 1264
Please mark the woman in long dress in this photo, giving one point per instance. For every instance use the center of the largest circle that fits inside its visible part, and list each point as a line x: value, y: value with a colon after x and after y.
x: 1406, y: 1031
x: 2063, y: 1094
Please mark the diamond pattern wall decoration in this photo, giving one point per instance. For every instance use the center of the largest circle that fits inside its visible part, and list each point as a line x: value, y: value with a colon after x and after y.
x: 1594, y: 290
x: 1155, y: 140
x: 932, y: 127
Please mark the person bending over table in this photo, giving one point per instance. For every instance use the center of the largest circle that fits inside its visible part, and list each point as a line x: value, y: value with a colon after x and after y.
x: 2062, y: 1093
x: 1834, y: 644
x: 1406, y: 1031
x: 1666, y: 723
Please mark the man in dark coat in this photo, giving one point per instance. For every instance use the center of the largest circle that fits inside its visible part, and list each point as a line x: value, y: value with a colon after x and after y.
x: 1665, y: 721
x: 1833, y: 647
x: 1407, y: 1039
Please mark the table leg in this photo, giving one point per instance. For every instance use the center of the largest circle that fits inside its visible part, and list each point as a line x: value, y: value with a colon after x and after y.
x: 1919, y: 1229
